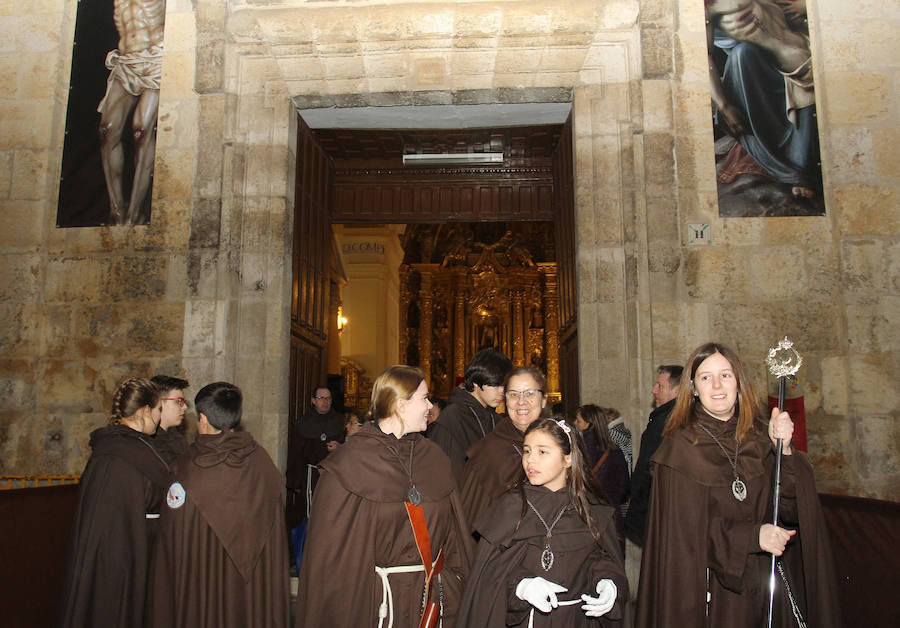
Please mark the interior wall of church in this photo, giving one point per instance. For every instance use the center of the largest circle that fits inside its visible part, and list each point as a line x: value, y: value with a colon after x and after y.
x: 204, y: 291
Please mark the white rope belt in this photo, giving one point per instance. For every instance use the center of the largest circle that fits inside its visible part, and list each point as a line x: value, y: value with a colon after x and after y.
x: 387, y: 598
x: 560, y: 602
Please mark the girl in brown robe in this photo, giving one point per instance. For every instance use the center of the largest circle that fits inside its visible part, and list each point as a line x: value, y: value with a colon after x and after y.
x: 548, y: 554
x: 361, y: 565
x: 122, y: 487
x: 495, y: 462
x: 708, y: 553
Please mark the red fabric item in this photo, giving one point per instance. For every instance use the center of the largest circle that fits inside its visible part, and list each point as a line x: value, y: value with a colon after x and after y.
x: 797, y: 410
x: 739, y: 162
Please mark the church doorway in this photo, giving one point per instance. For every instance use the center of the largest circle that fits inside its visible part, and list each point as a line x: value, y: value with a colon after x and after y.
x: 473, y: 252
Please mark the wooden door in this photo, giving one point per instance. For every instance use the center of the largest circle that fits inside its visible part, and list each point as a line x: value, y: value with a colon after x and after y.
x: 564, y: 221
x: 311, y: 287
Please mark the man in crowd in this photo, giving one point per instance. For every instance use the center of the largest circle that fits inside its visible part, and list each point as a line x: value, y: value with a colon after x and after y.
x: 665, y: 391
x: 469, y: 415
x: 221, y: 558
x: 169, y: 440
x: 315, y: 435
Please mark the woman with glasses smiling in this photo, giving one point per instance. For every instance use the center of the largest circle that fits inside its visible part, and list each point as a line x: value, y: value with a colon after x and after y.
x: 495, y: 462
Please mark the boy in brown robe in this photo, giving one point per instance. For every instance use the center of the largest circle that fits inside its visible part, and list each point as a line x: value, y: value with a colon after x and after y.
x: 221, y: 558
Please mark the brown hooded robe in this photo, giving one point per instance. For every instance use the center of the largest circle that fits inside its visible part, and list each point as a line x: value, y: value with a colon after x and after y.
x: 358, y: 521
x: 494, y: 466
x: 696, y: 523
x: 460, y: 425
x: 105, y: 576
x: 507, y: 554
x: 221, y: 557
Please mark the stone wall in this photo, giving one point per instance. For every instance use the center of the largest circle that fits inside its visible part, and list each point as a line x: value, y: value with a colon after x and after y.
x: 827, y: 282
x: 204, y: 290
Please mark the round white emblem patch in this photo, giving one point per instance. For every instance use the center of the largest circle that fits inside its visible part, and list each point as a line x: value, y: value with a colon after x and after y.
x: 175, y: 495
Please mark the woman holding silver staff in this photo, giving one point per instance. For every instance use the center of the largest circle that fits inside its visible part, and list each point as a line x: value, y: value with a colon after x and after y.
x: 709, y: 544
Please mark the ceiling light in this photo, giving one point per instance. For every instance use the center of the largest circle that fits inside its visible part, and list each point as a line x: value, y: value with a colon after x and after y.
x: 452, y: 159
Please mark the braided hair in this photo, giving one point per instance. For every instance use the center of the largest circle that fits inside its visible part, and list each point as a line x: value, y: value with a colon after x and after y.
x: 132, y: 394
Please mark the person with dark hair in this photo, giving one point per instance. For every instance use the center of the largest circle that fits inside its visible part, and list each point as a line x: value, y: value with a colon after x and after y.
x: 548, y: 554
x: 495, y: 462
x: 709, y: 543
x: 665, y: 391
x: 387, y: 543
x: 313, y: 436
x: 169, y: 439
x: 221, y: 559
x: 121, y: 489
x: 469, y: 415
x: 606, y: 462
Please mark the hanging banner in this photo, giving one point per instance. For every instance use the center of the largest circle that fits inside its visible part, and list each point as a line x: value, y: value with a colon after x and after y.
x: 764, y: 108
x: 110, y: 143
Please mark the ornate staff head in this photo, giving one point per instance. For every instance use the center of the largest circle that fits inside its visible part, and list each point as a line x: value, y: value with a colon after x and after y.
x: 784, y: 360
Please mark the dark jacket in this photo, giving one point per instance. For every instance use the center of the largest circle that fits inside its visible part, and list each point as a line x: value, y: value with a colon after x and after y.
x: 460, y: 425
x: 651, y: 439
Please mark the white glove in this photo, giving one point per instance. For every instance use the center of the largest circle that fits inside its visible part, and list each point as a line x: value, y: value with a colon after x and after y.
x: 539, y: 593
x: 600, y: 605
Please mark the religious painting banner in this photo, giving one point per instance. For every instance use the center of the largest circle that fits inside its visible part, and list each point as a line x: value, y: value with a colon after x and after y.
x: 110, y: 142
x: 764, y: 108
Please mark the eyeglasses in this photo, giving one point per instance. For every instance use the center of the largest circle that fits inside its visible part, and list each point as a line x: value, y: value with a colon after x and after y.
x: 529, y: 395
x: 181, y: 401
x: 323, y: 398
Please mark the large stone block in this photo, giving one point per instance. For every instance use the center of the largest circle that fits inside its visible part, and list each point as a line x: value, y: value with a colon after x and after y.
x: 68, y: 385
x: 844, y: 46
x: 19, y: 279
x: 659, y: 164
x: 6, y: 166
x: 879, y: 457
x: 834, y: 385
x: 859, y: 97
x: 656, y: 52
x: 873, y: 385
x: 137, y: 278
x: 17, y: 384
x: 657, y: 106
x: 778, y: 271
x: 872, y: 324
x: 862, y: 209
x: 200, y: 328
x: 56, y: 339
x: 23, y: 223
x: 718, y: 275
x: 177, y: 125
x: 848, y: 155
x: 174, y: 171
x: 831, y: 451
x: 26, y: 123
x: 38, y: 75
x: 863, y: 266
x: 887, y: 154
x: 19, y: 329
x: 181, y: 32
x: 691, y: 59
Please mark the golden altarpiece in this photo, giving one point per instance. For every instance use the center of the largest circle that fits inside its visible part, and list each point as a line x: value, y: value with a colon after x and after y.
x: 468, y: 286
x: 476, y: 291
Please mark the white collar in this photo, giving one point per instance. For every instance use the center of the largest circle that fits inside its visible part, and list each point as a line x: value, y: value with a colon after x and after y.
x: 615, y: 422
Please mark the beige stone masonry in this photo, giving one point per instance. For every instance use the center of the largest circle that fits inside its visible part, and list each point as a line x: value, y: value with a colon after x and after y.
x: 204, y: 290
